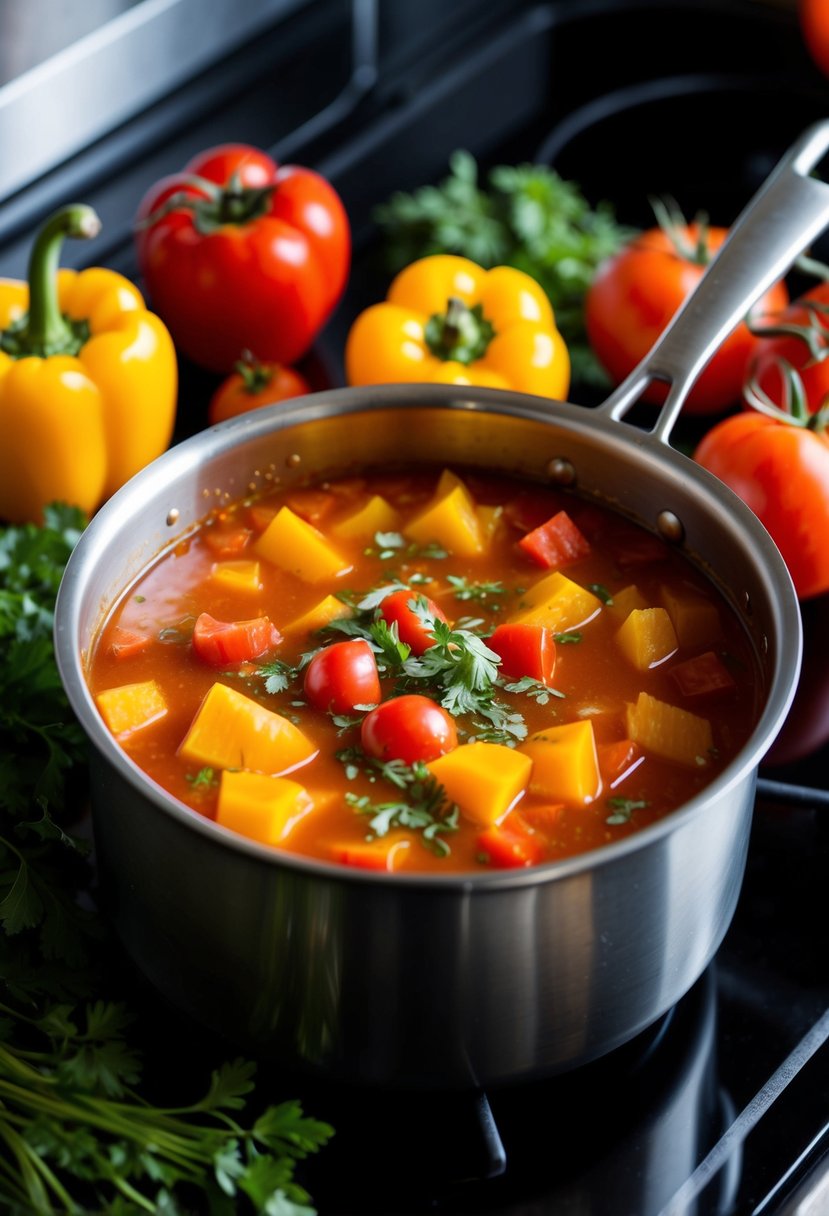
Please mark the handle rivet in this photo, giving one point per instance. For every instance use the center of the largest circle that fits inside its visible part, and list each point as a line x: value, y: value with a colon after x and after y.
x: 670, y: 527
x: 561, y: 471
x: 172, y: 516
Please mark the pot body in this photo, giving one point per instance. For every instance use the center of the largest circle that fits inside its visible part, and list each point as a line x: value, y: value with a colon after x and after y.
x: 455, y: 980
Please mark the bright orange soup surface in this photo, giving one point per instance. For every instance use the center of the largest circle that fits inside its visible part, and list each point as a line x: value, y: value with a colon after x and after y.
x: 426, y: 670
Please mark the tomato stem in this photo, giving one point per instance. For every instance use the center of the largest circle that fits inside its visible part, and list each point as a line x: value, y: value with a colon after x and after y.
x: 673, y: 223
x: 256, y: 376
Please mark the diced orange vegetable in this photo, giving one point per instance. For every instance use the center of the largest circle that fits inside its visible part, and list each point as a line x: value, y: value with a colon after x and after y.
x: 484, y: 779
x: 130, y: 707
x: 296, y: 546
x: 556, y: 543
x: 557, y: 602
x: 624, y: 602
x: 669, y: 731
x: 128, y: 642
x: 564, y: 762
x: 647, y: 638
x: 261, y: 807
x: 238, y: 576
x: 376, y: 516
x: 511, y: 844
x: 544, y: 817
x: 327, y: 610
x: 225, y: 643
x: 386, y: 853
x: 703, y: 676
x: 231, y: 730
x: 227, y: 542
x: 618, y: 760
x: 695, y: 619
x: 489, y: 519
x: 259, y: 516
x: 452, y: 521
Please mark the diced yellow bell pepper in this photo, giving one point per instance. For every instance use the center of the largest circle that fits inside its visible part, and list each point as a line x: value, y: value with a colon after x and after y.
x: 237, y: 575
x: 695, y: 618
x: 261, y: 807
x: 565, y: 766
x: 668, y: 731
x: 298, y: 547
x: 558, y: 603
x: 647, y: 638
x: 625, y: 601
x: 377, y: 515
x: 488, y: 520
x: 131, y: 706
x: 484, y: 779
x: 231, y: 730
x: 452, y: 521
x: 327, y: 610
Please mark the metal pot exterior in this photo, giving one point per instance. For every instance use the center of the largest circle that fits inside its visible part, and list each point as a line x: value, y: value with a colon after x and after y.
x: 406, y: 979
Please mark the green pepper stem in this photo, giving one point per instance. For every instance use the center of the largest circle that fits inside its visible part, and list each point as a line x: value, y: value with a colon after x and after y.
x: 47, y: 330
x: 461, y: 334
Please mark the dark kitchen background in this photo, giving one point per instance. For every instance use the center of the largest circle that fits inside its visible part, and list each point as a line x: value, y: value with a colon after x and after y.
x: 723, y: 1107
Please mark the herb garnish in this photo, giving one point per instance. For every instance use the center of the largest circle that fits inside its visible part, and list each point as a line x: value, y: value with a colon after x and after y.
x: 426, y: 809
x: 463, y: 589
x: 623, y: 809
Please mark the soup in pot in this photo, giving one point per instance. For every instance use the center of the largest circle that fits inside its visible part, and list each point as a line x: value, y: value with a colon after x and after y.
x: 426, y: 669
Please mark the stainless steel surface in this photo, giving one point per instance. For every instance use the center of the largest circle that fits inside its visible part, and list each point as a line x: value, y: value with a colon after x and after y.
x: 59, y: 105
x: 415, y: 979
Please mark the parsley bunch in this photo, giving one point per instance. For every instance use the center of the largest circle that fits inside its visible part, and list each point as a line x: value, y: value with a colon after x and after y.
x: 76, y: 1133
x: 522, y: 215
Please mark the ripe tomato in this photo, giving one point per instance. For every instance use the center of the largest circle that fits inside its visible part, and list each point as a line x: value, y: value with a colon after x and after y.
x: 766, y: 366
x: 408, y: 728
x: 781, y: 470
x: 635, y: 294
x: 395, y: 609
x: 343, y: 676
x: 252, y: 386
x: 814, y: 25
x: 237, y: 253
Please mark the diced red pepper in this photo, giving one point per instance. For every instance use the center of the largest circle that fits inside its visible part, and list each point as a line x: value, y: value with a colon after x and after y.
x: 530, y: 508
x: 225, y: 643
x: 128, y: 642
x: 703, y: 676
x: 556, y: 543
x: 260, y: 516
x: 617, y: 760
x: 227, y: 542
x: 544, y: 817
x: 525, y: 650
x: 511, y: 844
x: 311, y: 505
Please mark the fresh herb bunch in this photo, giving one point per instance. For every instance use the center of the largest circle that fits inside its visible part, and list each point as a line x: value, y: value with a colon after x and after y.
x: 522, y: 215
x: 76, y: 1134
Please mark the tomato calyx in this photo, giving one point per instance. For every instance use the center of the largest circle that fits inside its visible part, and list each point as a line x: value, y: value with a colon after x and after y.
x: 676, y: 228
x: 459, y: 335
x: 216, y: 206
x: 256, y: 376
x: 794, y: 410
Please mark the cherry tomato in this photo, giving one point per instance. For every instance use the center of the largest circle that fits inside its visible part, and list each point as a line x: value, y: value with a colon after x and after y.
x: 525, y: 650
x: 767, y: 363
x: 781, y: 470
x: 408, y: 728
x: 395, y: 609
x: 814, y: 25
x: 343, y: 676
x: 252, y: 386
x: 635, y: 294
x: 221, y: 643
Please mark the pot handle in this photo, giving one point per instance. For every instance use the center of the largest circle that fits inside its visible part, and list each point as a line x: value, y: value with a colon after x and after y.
x: 788, y: 212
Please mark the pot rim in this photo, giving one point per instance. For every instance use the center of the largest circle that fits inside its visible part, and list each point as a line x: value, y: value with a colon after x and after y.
x: 188, y: 454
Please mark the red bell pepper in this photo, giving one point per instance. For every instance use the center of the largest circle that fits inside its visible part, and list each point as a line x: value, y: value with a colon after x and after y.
x: 238, y: 255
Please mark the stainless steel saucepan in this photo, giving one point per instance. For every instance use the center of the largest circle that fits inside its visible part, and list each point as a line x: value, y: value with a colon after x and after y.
x: 458, y: 979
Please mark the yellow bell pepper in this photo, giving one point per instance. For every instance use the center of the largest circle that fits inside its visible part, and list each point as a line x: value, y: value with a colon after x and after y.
x: 448, y: 320
x: 88, y: 380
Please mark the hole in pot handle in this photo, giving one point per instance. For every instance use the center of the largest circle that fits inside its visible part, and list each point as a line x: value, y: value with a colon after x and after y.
x: 787, y: 213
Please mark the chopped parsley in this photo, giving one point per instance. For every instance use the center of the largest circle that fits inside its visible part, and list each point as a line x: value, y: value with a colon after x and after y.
x: 623, y: 809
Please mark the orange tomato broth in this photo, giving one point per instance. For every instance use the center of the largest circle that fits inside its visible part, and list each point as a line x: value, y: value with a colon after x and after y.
x: 594, y: 675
